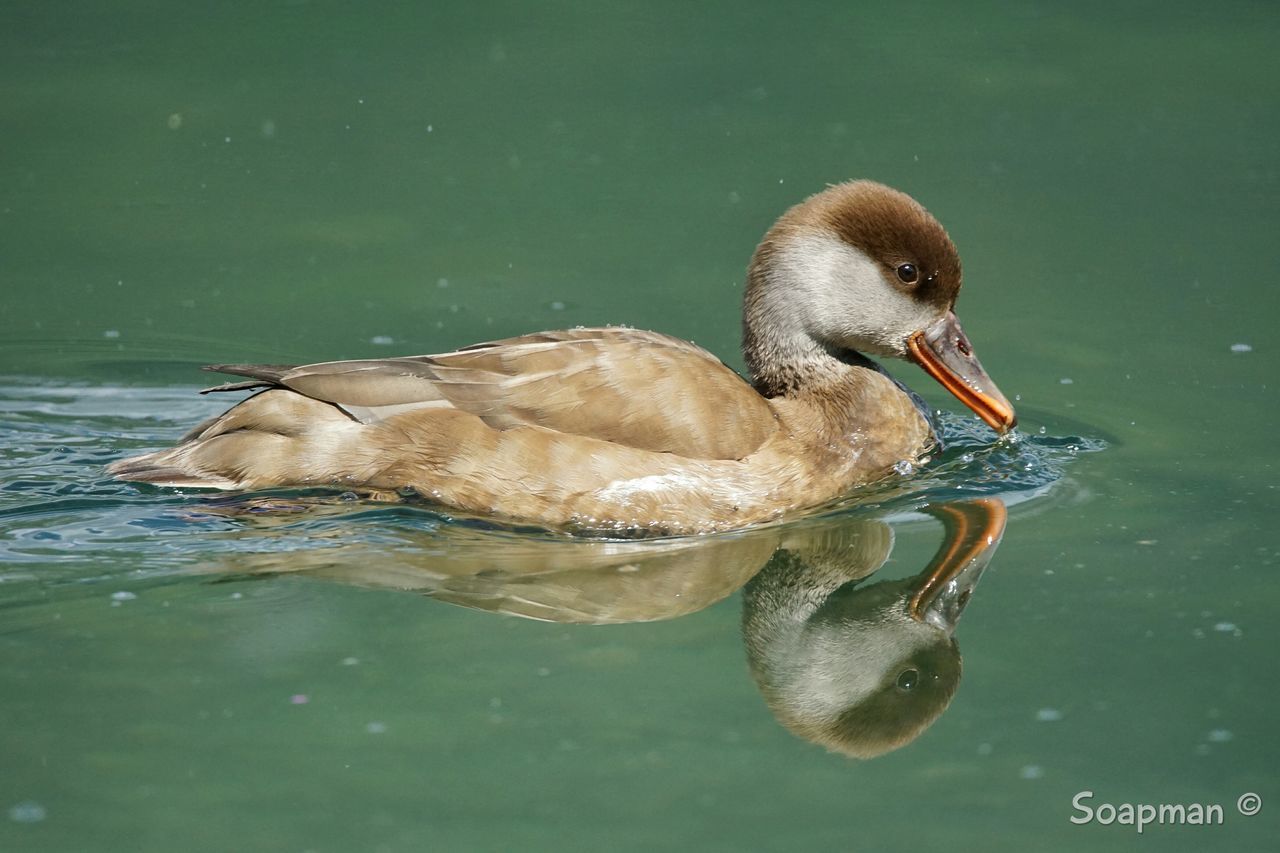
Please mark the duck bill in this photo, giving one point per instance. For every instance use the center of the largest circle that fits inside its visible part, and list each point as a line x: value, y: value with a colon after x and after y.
x: 973, y: 532
x: 946, y: 354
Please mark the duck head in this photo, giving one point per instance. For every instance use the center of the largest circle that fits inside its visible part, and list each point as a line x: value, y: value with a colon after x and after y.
x: 861, y: 268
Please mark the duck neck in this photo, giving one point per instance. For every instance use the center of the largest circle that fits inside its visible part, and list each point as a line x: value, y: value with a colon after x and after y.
x: 841, y: 402
x: 782, y: 355
x: 836, y: 397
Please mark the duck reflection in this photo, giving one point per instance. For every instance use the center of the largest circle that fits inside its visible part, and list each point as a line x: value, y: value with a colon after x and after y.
x: 857, y: 666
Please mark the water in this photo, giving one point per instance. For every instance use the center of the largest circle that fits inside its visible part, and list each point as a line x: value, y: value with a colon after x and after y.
x: 309, y: 181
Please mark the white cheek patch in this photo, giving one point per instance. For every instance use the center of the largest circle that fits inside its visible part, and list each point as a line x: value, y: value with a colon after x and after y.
x: 839, y: 296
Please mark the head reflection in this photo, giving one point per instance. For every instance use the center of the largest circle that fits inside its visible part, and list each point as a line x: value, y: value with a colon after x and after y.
x: 864, y: 667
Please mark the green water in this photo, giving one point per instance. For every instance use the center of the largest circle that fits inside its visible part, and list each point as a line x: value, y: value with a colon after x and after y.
x: 311, y: 181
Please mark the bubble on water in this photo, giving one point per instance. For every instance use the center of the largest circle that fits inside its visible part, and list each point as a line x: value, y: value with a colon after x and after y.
x: 111, y: 333
x: 299, y: 699
x: 123, y: 595
x: 1220, y: 736
x: 1241, y: 348
x: 350, y: 661
x: 376, y: 727
x: 1048, y: 715
x: 1066, y: 380
x: 27, y: 811
x: 1226, y: 628
x: 382, y: 340
x: 1031, y: 771
x: 904, y: 468
x: 557, y: 306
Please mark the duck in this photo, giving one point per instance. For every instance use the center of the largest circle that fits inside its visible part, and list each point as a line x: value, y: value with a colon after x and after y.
x: 620, y: 431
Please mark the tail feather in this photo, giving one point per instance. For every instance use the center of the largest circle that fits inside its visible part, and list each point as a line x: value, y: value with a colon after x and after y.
x: 268, y: 373
x: 159, y: 470
x: 238, y: 386
x: 270, y: 439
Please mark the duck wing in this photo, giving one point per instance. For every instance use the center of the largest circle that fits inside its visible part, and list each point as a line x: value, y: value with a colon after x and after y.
x: 635, y: 388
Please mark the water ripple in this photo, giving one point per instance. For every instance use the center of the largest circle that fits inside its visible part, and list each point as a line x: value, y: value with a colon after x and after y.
x: 63, y: 522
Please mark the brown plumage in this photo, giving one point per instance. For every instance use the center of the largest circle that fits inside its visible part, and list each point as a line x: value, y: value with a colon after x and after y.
x: 616, y: 429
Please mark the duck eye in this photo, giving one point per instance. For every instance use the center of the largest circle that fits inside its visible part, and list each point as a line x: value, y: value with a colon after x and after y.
x: 908, y: 678
x: 908, y: 274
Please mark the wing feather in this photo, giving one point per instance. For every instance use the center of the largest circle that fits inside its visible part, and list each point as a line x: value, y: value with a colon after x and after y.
x: 635, y: 388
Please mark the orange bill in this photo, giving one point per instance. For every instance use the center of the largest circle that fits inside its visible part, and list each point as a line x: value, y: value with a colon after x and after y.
x: 946, y: 354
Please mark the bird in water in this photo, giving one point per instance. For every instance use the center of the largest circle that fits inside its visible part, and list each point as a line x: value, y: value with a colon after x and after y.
x: 620, y: 431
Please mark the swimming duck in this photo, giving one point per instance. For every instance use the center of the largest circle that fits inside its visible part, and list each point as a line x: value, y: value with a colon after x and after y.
x: 627, y: 431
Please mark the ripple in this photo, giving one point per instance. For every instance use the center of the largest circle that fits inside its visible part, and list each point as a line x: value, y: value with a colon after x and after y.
x: 62, y: 522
